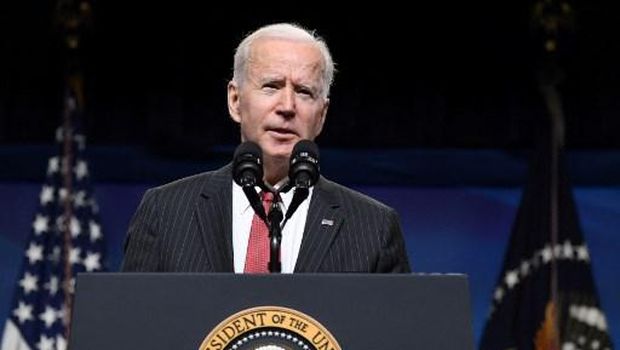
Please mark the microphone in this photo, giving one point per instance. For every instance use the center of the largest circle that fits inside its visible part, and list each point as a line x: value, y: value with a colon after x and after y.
x: 304, y: 167
x: 248, y: 173
x: 248, y: 165
x: 303, y: 173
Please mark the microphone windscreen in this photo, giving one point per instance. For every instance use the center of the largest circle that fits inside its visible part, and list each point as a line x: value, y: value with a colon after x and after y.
x: 248, y: 148
x: 306, y: 148
x: 304, y: 167
x: 248, y: 164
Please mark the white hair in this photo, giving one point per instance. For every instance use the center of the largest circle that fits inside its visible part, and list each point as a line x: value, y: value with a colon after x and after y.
x: 285, y: 31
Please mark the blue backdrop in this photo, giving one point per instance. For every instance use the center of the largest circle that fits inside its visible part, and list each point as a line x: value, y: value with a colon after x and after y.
x: 448, y: 229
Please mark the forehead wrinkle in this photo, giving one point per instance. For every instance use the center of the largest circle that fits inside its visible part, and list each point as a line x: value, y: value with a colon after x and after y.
x: 306, y: 76
x: 272, y: 67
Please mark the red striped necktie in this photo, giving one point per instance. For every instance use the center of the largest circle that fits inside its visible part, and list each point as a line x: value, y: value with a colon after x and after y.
x: 257, y: 257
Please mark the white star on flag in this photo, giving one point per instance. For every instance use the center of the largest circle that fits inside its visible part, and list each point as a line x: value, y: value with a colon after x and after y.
x: 525, y: 268
x: 34, y: 253
x: 62, y: 194
x: 40, y: 224
x: 55, y: 255
x: 80, y: 140
x: 569, y: 346
x: 61, y: 344
x: 62, y: 313
x: 45, y: 343
x: 29, y: 283
x: 499, y: 294
x: 512, y: 278
x: 547, y: 254
x: 52, y: 285
x: 91, y: 262
x: 582, y: 253
x: 568, y: 250
x: 52, y: 165
x: 47, y: 195
x: 74, y: 255
x: 71, y: 287
x: 23, y: 312
x: 93, y: 206
x: 581, y: 340
x: 81, y: 169
x: 48, y: 316
x: 80, y: 199
x: 60, y: 223
x: 60, y: 132
x: 95, y: 231
x: 75, y: 227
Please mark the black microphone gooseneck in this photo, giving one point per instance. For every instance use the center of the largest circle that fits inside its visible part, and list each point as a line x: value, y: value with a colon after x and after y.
x: 275, y: 235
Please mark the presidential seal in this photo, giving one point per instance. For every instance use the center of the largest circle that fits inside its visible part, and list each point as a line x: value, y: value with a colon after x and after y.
x: 269, y: 328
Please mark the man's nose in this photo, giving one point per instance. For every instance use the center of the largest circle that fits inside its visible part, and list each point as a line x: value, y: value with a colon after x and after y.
x: 287, y: 103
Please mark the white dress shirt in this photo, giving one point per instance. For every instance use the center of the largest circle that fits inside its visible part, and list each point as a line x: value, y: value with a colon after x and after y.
x: 292, y: 233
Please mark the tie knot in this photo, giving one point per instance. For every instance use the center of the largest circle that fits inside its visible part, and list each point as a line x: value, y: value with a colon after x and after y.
x: 267, y: 197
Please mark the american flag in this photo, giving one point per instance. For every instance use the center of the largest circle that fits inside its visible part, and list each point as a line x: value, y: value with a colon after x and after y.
x: 66, y: 238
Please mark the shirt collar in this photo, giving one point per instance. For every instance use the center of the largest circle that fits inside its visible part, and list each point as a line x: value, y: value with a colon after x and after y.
x: 242, y: 204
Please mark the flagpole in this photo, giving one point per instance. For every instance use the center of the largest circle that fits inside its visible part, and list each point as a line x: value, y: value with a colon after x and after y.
x: 552, y: 17
x: 556, y: 124
x: 556, y: 136
x: 71, y: 16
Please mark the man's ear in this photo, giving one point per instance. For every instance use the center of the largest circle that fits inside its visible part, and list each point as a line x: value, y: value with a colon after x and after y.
x: 233, y: 101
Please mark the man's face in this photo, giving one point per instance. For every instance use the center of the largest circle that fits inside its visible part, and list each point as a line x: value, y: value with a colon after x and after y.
x: 280, y: 100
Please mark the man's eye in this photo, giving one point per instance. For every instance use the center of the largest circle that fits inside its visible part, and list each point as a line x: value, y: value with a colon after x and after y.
x: 305, y: 92
x: 270, y: 86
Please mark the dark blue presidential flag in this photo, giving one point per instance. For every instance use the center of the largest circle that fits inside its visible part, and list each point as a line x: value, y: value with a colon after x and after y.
x: 545, y: 297
x: 65, y: 238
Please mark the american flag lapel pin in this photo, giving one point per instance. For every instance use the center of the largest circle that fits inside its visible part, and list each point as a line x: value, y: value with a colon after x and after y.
x: 327, y: 222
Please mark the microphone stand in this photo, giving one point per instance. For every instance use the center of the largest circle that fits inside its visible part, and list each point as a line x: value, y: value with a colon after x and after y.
x: 275, y: 235
x: 255, y: 202
x: 273, y: 220
x: 275, y: 229
x: 300, y: 195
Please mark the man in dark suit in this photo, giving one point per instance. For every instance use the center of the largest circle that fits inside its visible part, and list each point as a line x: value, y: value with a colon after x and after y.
x: 278, y: 96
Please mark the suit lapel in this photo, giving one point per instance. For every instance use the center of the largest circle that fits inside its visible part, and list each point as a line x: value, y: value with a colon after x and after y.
x: 322, y: 226
x: 214, y: 214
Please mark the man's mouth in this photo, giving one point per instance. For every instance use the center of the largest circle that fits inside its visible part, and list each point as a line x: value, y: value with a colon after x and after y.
x: 282, y: 132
